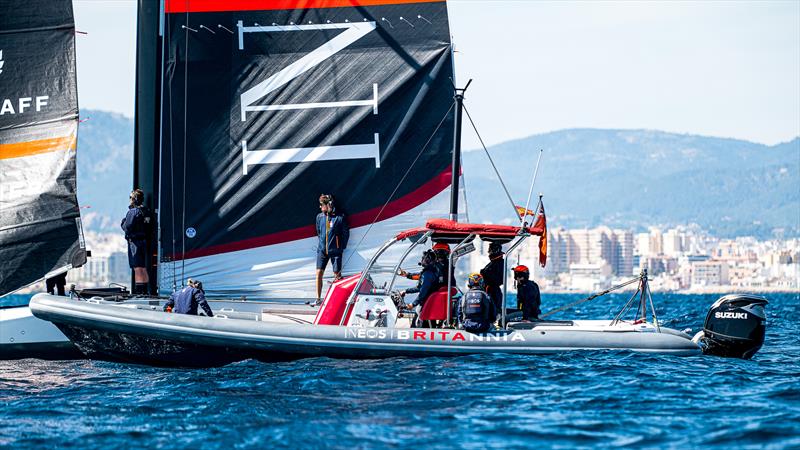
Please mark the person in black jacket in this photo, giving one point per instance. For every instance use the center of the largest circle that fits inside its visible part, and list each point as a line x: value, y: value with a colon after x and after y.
x: 475, y: 310
x: 333, y: 234
x: 493, y: 276
x: 135, y: 225
x: 188, y: 299
x: 428, y: 283
x: 529, y: 299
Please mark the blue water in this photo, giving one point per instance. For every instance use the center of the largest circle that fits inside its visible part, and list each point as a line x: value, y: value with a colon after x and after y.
x: 571, y: 400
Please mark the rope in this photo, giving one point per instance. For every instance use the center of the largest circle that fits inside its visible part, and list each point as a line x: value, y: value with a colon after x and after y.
x: 377, y: 216
x: 497, y: 172
x: 591, y: 297
x: 185, y: 102
x: 171, y: 167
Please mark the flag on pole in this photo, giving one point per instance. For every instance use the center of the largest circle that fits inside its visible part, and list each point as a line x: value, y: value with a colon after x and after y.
x: 524, y: 212
x: 541, y: 227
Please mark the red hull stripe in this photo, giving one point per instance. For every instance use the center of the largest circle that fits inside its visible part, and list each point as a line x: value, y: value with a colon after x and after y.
x: 394, y: 208
x: 184, y: 6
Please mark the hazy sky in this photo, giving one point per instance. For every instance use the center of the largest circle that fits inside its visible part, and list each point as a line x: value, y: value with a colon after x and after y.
x: 728, y: 69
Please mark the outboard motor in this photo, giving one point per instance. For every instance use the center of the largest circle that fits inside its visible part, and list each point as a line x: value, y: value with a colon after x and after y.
x: 734, y: 327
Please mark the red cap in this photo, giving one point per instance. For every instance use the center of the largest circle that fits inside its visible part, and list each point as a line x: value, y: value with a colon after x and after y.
x: 521, y: 269
x: 441, y: 246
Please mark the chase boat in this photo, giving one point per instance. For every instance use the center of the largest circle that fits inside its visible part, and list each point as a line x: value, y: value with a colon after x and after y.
x: 362, y: 317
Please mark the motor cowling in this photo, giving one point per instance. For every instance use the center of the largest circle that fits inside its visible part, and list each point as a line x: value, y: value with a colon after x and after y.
x: 735, y: 326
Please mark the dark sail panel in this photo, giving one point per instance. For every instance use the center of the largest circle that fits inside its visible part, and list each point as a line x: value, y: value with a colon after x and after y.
x: 266, y: 109
x: 40, y: 230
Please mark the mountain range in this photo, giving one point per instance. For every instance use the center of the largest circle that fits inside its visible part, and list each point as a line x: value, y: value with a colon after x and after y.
x: 589, y: 177
x: 635, y: 178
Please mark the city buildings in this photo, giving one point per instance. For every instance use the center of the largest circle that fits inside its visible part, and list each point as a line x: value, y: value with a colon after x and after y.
x: 684, y: 258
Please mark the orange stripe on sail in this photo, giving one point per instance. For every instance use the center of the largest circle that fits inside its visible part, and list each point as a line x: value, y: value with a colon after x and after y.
x: 20, y: 149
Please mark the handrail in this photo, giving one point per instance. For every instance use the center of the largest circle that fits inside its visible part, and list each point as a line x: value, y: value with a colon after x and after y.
x: 523, y: 236
x: 350, y: 299
x: 421, y: 240
x: 450, y: 268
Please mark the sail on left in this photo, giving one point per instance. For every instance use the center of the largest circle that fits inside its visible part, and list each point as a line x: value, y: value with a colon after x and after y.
x: 40, y: 226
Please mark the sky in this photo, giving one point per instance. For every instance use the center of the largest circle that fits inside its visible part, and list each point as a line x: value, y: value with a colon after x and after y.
x: 724, y: 69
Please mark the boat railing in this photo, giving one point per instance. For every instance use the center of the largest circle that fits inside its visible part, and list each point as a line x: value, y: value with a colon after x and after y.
x: 353, y: 295
x: 410, y: 248
x: 450, y: 267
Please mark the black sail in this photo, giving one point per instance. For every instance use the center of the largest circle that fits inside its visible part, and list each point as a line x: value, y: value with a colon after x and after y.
x: 40, y: 228
x: 268, y: 104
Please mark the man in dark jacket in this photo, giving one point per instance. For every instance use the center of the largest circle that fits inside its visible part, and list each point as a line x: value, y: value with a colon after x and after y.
x: 333, y: 233
x: 476, y: 311
x: 493, y: 276
x: 442, y: 256
x: 428, y: 283
x: 135, y: 225
x: 188, y: 299
x: 529, y: 299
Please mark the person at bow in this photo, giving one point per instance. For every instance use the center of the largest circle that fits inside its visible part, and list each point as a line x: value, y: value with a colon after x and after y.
x: 529, y: 298
x: 333, y: 234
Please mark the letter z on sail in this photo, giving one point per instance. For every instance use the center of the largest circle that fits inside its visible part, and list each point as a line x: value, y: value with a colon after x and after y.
x: 248, y: 100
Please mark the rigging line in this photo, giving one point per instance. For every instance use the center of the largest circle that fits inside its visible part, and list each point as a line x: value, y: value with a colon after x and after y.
x: 591, y: 297
x: 159, y: 208
x: 185, y: 102
x: 377, y: 216
x: 167, y: 37
x: 474, y: 127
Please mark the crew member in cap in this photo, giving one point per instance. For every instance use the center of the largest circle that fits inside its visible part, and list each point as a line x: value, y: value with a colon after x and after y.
x: 136, y: 226
x: 188, y: 299
x: 428, y: 283
x: 493, y: 276
x: 529, y: 299
x: 333, y: 233
x: 441, y: 251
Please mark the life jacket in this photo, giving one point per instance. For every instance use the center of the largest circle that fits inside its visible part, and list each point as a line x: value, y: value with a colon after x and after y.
x: 475, y: 306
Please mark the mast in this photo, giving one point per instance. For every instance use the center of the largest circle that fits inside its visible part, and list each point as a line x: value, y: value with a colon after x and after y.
x: 459, y: 99
x: 146, y: 121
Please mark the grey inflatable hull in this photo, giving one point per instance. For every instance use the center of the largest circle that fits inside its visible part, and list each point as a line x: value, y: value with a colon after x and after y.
x: 136, y: 334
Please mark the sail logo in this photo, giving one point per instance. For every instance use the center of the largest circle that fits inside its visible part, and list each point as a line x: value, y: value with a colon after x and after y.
x: 250, y: 98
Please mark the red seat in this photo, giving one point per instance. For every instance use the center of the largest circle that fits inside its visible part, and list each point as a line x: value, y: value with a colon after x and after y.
x: 435, y: 307
x: 332, y: 309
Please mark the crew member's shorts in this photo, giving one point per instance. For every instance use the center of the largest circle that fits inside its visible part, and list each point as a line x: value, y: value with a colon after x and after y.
x: 136, y: 251
x: 336, y: 261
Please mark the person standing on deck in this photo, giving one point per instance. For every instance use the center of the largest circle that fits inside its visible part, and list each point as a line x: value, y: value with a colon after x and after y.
x: 57, y: 284
x: 135, y: 225
x: 333, y: 233
x: 529, y: 299
x: 493, y: 276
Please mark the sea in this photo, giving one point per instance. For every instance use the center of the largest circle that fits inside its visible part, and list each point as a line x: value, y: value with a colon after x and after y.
x: 571, y: 400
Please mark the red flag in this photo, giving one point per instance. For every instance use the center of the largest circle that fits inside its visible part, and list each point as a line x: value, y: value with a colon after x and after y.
x: 541, y: 227
x: 522, y: 212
